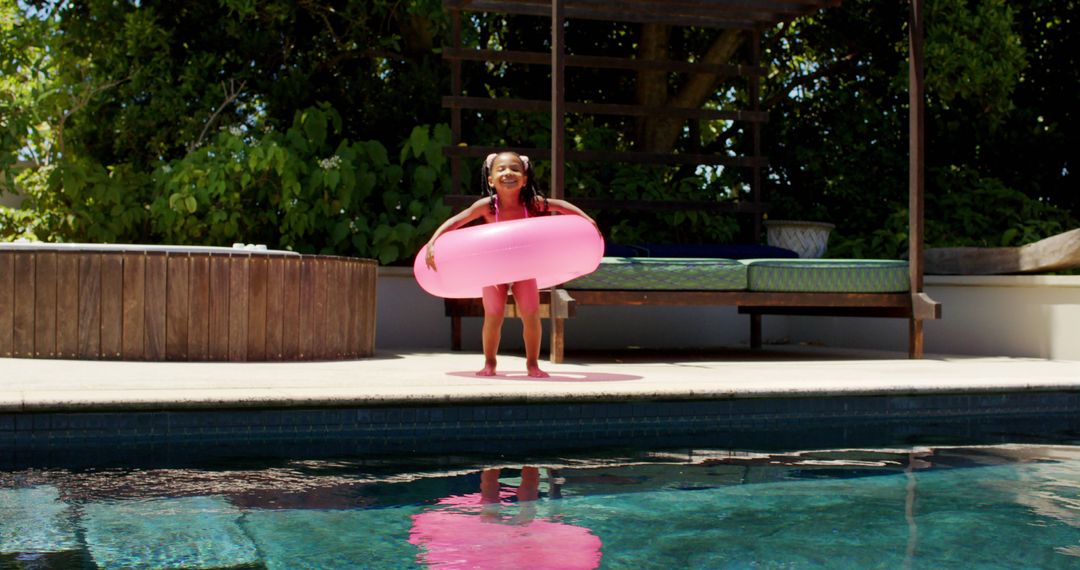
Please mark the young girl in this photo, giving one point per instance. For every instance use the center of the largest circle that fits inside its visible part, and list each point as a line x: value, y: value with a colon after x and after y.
x: 510, y: 194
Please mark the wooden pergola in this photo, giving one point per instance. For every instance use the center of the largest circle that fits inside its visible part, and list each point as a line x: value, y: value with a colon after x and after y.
x: 753, y: 16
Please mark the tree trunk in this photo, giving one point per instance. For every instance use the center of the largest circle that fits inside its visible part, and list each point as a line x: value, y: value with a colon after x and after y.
x: 652, y: 85
x: 658, y: 134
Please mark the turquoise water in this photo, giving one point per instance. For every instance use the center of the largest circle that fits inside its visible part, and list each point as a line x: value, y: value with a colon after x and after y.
x: 1008, y: 506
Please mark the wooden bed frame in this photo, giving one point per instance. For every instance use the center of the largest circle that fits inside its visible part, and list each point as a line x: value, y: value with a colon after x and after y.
x: 561, y: 304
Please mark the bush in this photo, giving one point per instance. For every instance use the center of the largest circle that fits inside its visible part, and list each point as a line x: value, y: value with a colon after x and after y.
x: 962, y: 208
x: 306, y: 189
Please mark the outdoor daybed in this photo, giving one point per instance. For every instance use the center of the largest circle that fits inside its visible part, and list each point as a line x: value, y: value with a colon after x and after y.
x: 761, y: 286
x: 764, y: 286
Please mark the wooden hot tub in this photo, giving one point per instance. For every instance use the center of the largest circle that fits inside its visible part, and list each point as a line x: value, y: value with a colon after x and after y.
x: 134, y: 302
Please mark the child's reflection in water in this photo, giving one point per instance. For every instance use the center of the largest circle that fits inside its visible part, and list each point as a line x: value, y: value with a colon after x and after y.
x: 499, y: 527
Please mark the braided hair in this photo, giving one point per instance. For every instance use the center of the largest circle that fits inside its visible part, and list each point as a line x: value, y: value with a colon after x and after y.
x: 530, y: 192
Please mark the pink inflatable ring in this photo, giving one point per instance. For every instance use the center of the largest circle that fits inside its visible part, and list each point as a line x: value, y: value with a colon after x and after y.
x: 550, y: 249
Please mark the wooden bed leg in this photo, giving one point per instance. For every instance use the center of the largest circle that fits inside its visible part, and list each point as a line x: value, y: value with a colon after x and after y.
x: 455, y: 332
x: 558, y: 311
x: 755, y: 330
x: 558, y: 340
x: 915, y: 338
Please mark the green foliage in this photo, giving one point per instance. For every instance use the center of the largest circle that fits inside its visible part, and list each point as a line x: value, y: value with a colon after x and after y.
x: 838, y: 146
x: 963, y: 208
x: 974, y: 56
x: 633, y: 184
x: 307, y: 189
x: 295, y: 124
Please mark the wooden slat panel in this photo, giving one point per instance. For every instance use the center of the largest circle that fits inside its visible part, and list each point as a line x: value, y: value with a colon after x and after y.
x: 45, y: 305
x: 275, y: 306
x: 256, y: 327
x: 540, y: 106
x: 613, y: 156
x: 705, y: 15
x: 90, y: 305
x: 352, y: 303
x: 459, y: 201
x: 335, y: 308
x: 7, y: 303
x: 218, y: 330
x: 154, y: 315
x: 356, y: 320
x: 369, y: 274
x: 829, y: 311
x: 320, y: 318
x: 741, y: 298
x: 67, y: 304
x: 199, y: 307
x: 23, y: 313
x: 112, y: 306
x: 339, y: 307
x: 134, y: 306
x: 307, y: 308
x: 601, y: 62
x: 177, y: 306
x: 290, y: 340
x: 238, y: 307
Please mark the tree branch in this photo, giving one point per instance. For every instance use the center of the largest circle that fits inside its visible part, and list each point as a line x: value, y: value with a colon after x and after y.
x: 80, y: 104
x: 232, y: 91
x: 823, y: 71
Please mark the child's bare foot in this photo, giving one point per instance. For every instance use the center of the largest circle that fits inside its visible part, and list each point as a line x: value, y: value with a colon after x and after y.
x: 535, y: 372
x: 487, y: 370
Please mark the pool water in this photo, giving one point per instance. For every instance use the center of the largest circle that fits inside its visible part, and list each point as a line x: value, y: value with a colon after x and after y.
x: 999, y: 506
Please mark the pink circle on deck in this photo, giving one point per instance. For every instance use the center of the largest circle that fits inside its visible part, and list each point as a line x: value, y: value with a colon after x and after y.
x: 550, y: 249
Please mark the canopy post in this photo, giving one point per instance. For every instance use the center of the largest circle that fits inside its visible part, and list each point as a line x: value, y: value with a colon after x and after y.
x: 558, y: 99
x: 922, y: 306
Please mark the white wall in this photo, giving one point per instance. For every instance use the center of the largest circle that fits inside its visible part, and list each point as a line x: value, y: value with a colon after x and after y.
x: 1001, y: 315
x: 1016, y: 315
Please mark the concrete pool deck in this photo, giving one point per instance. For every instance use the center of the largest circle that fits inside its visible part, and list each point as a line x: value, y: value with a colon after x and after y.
x: 408, y: 378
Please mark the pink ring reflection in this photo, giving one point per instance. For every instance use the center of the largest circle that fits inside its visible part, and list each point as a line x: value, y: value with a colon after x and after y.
x: 465, y: 532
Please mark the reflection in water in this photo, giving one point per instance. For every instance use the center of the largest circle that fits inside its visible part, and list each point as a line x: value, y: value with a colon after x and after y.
x: 499, y: 528
x: 997, y: 506
x: 1048, y: 485
x: 915, y: 461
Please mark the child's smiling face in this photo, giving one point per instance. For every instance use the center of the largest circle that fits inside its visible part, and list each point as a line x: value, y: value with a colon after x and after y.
x: 507, y: 172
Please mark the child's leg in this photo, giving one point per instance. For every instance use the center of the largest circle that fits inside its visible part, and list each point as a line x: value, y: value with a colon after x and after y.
x: 527, y: 298
x: 494, y: 309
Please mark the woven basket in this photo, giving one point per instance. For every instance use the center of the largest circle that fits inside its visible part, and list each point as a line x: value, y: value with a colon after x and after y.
x: 808, y: 239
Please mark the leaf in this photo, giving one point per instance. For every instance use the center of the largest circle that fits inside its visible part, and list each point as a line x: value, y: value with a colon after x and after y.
x: 377, y: 153
x: 340, y: 231
x: 424, y: 180
x: 418, y: 139
x: 365, y: 184
x: 331, y: 179
x: 388, y: 254
x: 314, y: 123
x: 1009, y: 237
x: 190, y: 204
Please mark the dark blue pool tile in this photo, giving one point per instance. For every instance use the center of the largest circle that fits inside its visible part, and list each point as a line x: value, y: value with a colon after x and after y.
x: 7, y: 422
x: 24, y: 423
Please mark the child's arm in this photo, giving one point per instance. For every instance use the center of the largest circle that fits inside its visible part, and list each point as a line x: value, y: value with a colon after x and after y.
x: 564, y: 207
x: 473, y: 212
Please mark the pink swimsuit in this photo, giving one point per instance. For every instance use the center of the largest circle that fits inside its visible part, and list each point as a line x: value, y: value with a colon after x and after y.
x: 496, y: 202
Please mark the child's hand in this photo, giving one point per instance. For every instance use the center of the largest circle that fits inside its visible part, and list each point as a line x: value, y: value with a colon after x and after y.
x: 430, y: 259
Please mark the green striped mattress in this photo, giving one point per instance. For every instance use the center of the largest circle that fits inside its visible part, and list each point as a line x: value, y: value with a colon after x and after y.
x: 827, y: 275
x: 664, y: 273
x: 778, y: 275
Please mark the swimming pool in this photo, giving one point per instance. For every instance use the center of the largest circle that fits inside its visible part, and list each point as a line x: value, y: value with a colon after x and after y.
x: 921, y: 506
